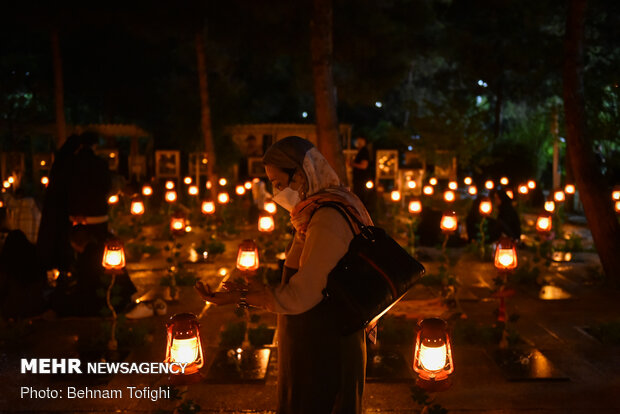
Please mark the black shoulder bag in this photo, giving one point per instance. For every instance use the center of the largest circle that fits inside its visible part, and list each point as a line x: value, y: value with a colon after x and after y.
x: 373, y: 276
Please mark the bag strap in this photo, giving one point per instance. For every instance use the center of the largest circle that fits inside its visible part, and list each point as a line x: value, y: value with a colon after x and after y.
x: 342, y: 210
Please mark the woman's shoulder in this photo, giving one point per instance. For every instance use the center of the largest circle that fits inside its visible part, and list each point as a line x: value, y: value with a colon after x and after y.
x: 330, y: 218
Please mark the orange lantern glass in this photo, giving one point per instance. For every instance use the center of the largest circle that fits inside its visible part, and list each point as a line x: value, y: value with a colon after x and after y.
x: 503, y: 181
x: 113, y: 255
x: 192, y: 190
x: 187, y: 180
x: 177, y: 223
x: 432, y: 181
x: 369, y: 184
x: 270, y: 207
x: 468, y: 181
x: 207, y: 207
x: 544, y: 223
x: 223, y: 198
x: 432, y: 355
x: 449, y: 196
x: 449, y: 222
x: 171, y: 196
x: 486, y: 207
x: 558, y: 196
x: 472, y: 190
x: 147, y: 191
x: 247, y: 256
x: 569, y: 189
x: 137, y: 207
x: 240, y: 190
x: 531, y: 184
x: 505, y: 255
x: 395, y: 196
x: 113, y: 199
x: 265, y: 222
x: 183, y: 344
x: 415, y: 206
x: 523, y: 189
x: 428, y: 190
x: 45, y: 180
x: 169, y: 185
x: 549, y: 206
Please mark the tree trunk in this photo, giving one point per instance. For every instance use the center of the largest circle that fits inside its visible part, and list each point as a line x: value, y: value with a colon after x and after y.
x: 61, y: 129
x: 321, y: 48
x: 205, y: 110
x: 588, y: 179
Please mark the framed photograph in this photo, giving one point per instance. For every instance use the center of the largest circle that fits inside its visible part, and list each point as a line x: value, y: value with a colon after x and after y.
x: 256, y: 167
x: 387, y: 164
x: 198, y: 159
x: 110, y: 155
x: 137, y: 166
x: 167, y: 164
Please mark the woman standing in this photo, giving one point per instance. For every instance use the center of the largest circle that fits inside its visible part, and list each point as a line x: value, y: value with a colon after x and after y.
x: 320, y: 371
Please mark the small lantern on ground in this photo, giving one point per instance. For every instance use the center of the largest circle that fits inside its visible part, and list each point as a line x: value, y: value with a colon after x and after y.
x: 549, y: 206
x: 558, y: 196
x: 448, y: 222
x: 113, y: 256
x: 505, y: 255
x: 177, y: 223
x: 369, y: 184
x: 265, y: 222
x: 544, y: 223
x: 147, y: 191
x: 428, y: 190
x: 192, y: 190
x: 395, y: 196
x: 449, y: 196
x: 137, y: 207
x: 472, y: 190
x: 468, y: 181
x: 45, y: 180
x: 486, y: 207
x: 183, y: 344
x: 270, y: 207
x: 432, y: 181
x: 247, y: 256
x: 503, y: 181
x: 415, y: 206
x: 187, y: 180
x: 113, y: 199
x: 531, y: 184
x: 569, y: 189
x: 523, y: 189
x: 240, y: 190
x: 169, y: 185
x: 223, y: 198
x: 207, y: 207
x: 222, y: 182
x: 432, y: 356
x: 171, y: 196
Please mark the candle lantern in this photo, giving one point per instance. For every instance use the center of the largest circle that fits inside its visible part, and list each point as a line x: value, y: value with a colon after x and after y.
x: 270, y: 207
x: 247, y: 185
x: 395, y: 196
x: 192, y: 190
x: 544, y: 223
x: 113, y: 255
x: 472, y: 190
x: 207, y: 207
x: 503, y: 181
x: 177, y: 223
x: 171, y: 196
x: 428, y: 190
x: 411, y: 184
x: 137, y: 207
x: 531, y: 184
x: 113, y: 199
x: 505, y: 255
x: 449, y: 222
x: 147, y: 191
x: 449, y: 196
x: 247, y: 256
x: 549, y: 206
x: 187, y: 180
x: 432, y: 356
x: 523, y: 189
x: 415, y: 206
x: 240, y: 190
x: 467, y: 181
x: 486, y: 207
x: 183, y: 344
x: 558, y: 196
x: 223, y: 198
x: 569, y: 189
x: 432, y: 181
x: 223, y: 182
x: 265, y: 222
x: 169, y: 185
x: 489, y: 185
x: 369, y: 184
x: 45, y: 180
x: 453, y: 185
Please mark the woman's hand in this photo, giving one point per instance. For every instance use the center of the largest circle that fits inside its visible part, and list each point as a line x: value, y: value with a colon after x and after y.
x: 219, y: 298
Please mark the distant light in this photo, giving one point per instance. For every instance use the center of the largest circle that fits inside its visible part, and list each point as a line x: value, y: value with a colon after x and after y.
x: 208, y: 185
x: 223, y: 182
x: 482, y: 83
x: 489, y: 185
x: 112, y: 155
x: 467, y: 180
x: 510, y: 194
x: 6, y: 184
x: 240, y: 190
x: 503, y: 181
x: 147, y: 190
x: 11, y: 179
x: 472, y: 190
x: 223, y: 198
x: 531, y: 184
x: 304, y: 114
x: 43, y: 163
x: 170, y: 196
x: 449, y: 196
x: 169, y: 185
x: 192, y: 190
x: 569, y: 189
x: 432, y: 181
x: 428, y: 190
x: 187, y: 180
x: 523, y: 189
x: 188, y: 229
x: 395, y: 195
x: 205, y: 160
x: 411, y: 184
x: 452, y: 185
x: 223, y: 271
x: 369, y: 184
x: 378, y: 104
x: 45, y: 181
x: 270, y: 207
x: 410, y: 148
x: 113, y: 199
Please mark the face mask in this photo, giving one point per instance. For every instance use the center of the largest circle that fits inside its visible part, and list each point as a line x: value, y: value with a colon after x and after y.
x: 287, y: 198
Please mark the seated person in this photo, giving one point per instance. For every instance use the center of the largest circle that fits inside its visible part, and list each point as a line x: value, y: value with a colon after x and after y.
x: 84, y: 293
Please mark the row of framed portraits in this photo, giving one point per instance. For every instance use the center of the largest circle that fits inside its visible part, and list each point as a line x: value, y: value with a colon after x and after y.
x: 168, y: 164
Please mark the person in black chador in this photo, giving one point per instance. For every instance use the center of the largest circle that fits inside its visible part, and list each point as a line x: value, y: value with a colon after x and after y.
x: 507, y: 221
x: 473, y: 219
x: 361, y: 170
x: 84, y: 292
